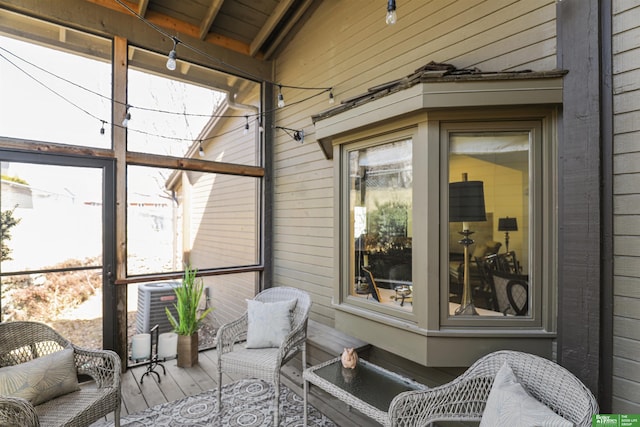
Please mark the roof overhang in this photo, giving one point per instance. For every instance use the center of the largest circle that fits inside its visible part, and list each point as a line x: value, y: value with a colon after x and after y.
x: 403, y: 98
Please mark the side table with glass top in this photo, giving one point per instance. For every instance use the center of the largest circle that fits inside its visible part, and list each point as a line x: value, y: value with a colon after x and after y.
x: 367, y: 388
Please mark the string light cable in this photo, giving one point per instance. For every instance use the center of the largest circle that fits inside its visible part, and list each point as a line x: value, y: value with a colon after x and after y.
x: 49, y: 89
x: 130, y: 107
x: 194, y: 49
x: 104, y: 122
x: 299, y: 136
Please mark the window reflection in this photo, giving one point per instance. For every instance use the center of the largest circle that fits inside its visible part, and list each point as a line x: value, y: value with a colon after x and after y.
x: 381, y: 223
x: 498, y: 259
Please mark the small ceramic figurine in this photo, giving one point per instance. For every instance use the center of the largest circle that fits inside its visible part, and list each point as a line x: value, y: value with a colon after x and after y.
x: 349, y: 358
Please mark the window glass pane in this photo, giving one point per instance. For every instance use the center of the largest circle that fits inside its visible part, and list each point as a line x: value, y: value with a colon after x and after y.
x: 489, y: 196
x: 176, y: 113
x: 58, y: 210
x: 52, y: 248
x: 161, y: 113
x: 380, y: 207
x: 56, y: 91
x: 210, y: 219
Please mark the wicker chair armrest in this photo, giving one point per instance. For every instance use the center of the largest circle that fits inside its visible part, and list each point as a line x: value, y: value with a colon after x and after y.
x: 294, y: 339
x: 16, y: 411
x: 460, y: 400
x: 230, y: 333
x: 103, y: 366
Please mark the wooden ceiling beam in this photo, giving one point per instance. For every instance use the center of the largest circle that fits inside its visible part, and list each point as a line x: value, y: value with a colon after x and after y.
x: 269, y: 26
x: 142, y: 7
x: 288, y: 27
x: 176, y: 26
x: 207, y: 22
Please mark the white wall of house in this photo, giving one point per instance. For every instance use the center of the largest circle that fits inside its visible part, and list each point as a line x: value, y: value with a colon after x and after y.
x: 626, y: 164
x: 348, y: 46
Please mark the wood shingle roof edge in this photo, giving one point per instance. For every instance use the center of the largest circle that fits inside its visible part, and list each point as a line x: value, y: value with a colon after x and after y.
x: 433, y: 72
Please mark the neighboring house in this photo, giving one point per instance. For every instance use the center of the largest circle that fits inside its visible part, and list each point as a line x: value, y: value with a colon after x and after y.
x: 536, y: 99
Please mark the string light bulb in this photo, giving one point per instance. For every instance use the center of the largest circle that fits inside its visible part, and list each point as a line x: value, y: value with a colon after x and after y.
x: 260, y: 126
x: 127, y: 117
x: 246, y: 125
x: 102, y: 128
x: 332, y: 100
x: 392, y: 17
x: 171, y: 61
x: 201, y: 150
x: 280, y: 97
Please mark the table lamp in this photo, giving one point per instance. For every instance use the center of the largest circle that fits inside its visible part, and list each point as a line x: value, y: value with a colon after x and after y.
x: 466, y: 204
x: 507, y: 224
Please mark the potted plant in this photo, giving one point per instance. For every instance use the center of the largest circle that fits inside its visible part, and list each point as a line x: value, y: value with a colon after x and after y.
x: 188, y: 296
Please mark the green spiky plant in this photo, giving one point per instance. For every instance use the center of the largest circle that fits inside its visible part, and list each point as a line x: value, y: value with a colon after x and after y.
x: 188, y: 296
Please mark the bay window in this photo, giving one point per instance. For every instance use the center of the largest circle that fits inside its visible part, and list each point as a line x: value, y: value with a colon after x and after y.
x: 417, y: 277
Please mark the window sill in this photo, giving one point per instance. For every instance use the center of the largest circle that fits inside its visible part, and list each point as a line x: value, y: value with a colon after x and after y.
x: 447, y: 347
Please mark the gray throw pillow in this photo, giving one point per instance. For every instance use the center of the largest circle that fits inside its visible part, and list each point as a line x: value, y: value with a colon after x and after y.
x: 41, y: 379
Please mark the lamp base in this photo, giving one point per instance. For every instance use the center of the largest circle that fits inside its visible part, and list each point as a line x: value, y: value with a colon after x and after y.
x: 466, y: 310
x: 466, y: 304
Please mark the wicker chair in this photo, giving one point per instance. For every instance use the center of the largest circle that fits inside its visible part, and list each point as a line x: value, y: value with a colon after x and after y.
x: 264, y: 363
x: 24, y: 341
x: 464, y: 398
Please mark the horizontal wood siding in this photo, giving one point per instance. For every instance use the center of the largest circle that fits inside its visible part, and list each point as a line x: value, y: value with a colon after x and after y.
x: 347, y: 45
x: 224, y: 216
x: 626, y: 164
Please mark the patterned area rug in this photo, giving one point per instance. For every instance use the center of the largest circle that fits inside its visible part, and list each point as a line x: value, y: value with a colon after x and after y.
x: 245, y: 403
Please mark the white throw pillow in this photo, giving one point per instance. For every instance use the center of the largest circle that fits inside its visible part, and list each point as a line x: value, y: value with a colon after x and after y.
x: 509, y: 404
x: 269, y: 322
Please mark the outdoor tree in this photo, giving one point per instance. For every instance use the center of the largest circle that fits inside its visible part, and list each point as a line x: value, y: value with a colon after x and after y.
x: 8, y: 221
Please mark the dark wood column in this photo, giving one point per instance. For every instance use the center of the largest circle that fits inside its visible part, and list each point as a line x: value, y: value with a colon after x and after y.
x: 583, y: 135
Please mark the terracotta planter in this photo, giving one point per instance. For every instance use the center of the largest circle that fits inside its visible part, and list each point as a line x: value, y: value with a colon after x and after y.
x: 187, y: 350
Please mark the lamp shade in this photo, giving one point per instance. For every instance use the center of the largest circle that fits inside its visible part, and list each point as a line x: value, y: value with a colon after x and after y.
x: 507, y: 224
x: 466, y: 201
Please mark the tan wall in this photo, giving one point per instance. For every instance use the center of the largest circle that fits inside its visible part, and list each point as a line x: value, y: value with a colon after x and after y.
x: 626, y: 262
x: 223, y: 222
x: 348, y: 46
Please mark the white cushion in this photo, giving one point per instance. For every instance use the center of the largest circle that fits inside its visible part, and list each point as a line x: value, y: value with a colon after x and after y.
x: 269, y: 322
x: 41, y: 379
x: 509, y: 404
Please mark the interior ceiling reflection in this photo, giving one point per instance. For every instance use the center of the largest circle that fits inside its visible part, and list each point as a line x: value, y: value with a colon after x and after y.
x: 485, y: 143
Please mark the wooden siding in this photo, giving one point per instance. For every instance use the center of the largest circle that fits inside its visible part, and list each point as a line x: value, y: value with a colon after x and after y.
x: 224, y: 218
x: 348, y: 46
x: 626, y: 200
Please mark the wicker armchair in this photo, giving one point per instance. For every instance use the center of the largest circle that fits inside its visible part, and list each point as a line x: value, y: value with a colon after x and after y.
x: 264, y: 363
x: 21, y: 342
x: 464, y: 398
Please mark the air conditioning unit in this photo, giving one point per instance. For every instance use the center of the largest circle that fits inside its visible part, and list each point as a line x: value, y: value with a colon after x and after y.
x: 152, y: 300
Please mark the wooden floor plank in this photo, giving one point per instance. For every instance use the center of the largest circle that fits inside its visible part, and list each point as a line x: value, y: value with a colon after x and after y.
x: 168, y: 385
x: 149, y: 387
x: 133, y: 399
x: 182, y: 382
